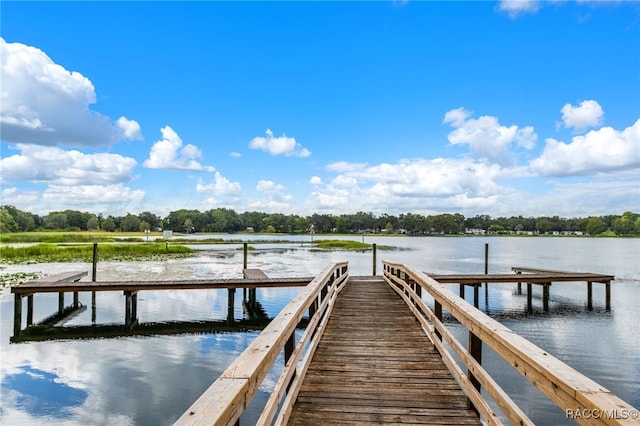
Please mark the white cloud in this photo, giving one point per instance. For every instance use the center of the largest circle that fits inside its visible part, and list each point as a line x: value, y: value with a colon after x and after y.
x: 315, y: 180
x: 419, y: 185
x: 588, y: 114
x: 45, y: 104
x: 516, y: 7
x: 344, y: 166
x: 601, y: 150
x: 169, y: 153
x: 486, y: 138
x: 56, y: 166
x: 273, y: 191
x: 269, y: 186
x: 235, y: 155
x: 282, y: 145
x: 88, y: 194
x: 130, y: 128
x: 220, y: 186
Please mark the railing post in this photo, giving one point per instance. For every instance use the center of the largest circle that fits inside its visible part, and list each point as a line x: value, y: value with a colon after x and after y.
x: 486, y: 285
x: 93, y: 279
x: 475, y: 350
x: 374, y: 258
x: 289, y: 347
x: 437, y: 310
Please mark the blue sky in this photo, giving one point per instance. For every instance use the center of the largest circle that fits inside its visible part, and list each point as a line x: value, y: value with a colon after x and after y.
x: 499, y: 108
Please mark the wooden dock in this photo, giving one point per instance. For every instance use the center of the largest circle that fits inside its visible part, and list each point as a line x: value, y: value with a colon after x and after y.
x: 374, y: 353
x: 374, y: 364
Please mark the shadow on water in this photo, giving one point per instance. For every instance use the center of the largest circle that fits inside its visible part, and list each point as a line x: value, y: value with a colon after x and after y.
x: 256, y: 319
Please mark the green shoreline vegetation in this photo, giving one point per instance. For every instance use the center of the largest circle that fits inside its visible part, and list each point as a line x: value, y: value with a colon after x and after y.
x: 223, y: 220
x: 48, y: 253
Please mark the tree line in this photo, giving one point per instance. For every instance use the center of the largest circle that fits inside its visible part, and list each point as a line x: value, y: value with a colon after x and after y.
x: 229, y: 221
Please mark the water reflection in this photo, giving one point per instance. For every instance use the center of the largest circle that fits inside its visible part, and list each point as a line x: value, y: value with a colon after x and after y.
x: 41, y: 393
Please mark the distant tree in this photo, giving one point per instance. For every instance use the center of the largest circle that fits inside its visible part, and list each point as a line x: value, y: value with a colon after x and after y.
x: 92, y: 224
x: 150, y: 218
x: 595, y: 226
x: 388, y: 228
x: 109, y: 224
x: 496, y: 228
x: 56, y: 220
x: 188, y: 226
x: 7, y: 222
x: 130, y: 223
x: 544, y: 225
x: 77, y: 219
x: 625, y: 225
x: 144, y: 226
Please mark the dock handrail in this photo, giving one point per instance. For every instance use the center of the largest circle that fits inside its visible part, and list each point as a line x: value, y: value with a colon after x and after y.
x: 225, y: 400
x: 566, y: 387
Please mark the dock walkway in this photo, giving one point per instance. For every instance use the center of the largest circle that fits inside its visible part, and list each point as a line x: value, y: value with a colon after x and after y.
x: 375, y: 364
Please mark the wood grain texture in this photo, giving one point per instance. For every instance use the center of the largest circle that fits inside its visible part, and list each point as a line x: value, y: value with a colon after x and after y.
x: 374, y: 364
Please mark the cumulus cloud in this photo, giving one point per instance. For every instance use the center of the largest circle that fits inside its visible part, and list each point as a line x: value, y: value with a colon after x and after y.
x: 282, y: 145
x: 486, y: 138
x: 45, y: 104
x: 220, y: 186
x: 588, y: 114
x: 513, y: 8
x: 602, y: 150
x: 315, y: 180
x: 88, y: 194
x: 415, y: 185
x: 169, y: 153
x: 55, y: 166
x: 273, y: 191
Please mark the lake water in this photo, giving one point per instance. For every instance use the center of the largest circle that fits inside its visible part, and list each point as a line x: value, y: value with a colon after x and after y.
x: 153, y: 380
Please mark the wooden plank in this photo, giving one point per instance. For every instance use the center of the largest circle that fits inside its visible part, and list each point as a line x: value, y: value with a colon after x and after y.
x: 48, y: 287
x: 374, y: 364
x: 253, y: 273
x: 537, y: 278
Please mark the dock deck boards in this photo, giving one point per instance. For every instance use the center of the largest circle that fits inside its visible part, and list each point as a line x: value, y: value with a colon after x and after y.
x: 374, y: 364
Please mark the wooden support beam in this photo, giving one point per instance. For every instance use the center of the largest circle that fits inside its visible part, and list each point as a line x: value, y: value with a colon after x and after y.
x: 476, y: 297
x: 607, y: 290
x: 529, y: 297
x: 589, y: 295
x: 76, y: 300
x: 127, y: 309
x: 61, y: 303
x: 17, y: 315
x: 545, y: 296
x: 93, y: 306
x: 29, y: 310
x: 231, y: 294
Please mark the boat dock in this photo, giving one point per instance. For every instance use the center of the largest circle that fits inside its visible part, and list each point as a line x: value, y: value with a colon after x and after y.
x: 373, y: 352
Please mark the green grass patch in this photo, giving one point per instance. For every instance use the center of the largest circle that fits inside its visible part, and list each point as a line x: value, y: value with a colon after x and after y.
x: 342, y: 245
x: 55, y: 237
x: 46, y: 253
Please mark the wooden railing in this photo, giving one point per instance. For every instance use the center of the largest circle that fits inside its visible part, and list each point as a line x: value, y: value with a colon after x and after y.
x: 225, y: 400
x: 566, y: 387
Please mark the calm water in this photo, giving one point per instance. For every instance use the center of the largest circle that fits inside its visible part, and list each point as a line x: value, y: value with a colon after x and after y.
x: 152, y: 380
